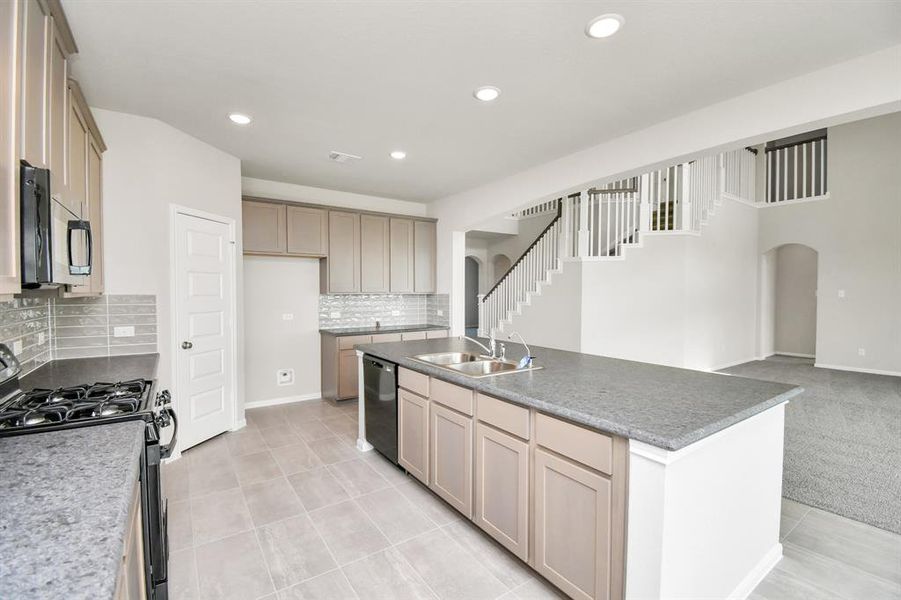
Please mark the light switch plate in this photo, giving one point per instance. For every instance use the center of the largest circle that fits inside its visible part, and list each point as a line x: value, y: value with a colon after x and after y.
x: 440, y: 313
x: 395, y: 313
x: 841, y: 293
x: 124, y: 331
x: 41, y: 337
x: 284, y: 376
x: 17, y: 347
x: 335, y: 314
x: 287, y: 316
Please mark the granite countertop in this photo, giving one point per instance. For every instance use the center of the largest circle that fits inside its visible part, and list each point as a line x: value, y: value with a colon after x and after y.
x: 384, y: 329
x: 80, y: 371
x: 662, y: 406
x: 64, y: 503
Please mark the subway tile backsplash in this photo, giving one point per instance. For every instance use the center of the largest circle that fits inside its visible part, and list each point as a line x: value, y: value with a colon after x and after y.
x: 48, y: 328
x: 337, y: 311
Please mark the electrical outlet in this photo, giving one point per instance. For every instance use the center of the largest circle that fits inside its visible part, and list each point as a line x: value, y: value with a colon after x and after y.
x: 41, y: 337
x: 395, y: 313
x: 861, y: 352
x: 284, y: 376
x: 841, y: 293
x: 440, y: 313
x: 287, y: 316
x: 335, y: 314
x: 17, y: 347
x: 124, y: 331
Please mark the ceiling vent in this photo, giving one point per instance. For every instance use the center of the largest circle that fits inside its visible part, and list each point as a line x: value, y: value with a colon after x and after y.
x: 342, y: 157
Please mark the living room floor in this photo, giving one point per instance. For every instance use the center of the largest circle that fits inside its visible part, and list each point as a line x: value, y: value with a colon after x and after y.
x: 287, y: 508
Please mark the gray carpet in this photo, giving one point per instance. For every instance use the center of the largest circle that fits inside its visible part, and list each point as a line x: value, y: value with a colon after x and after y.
x: 842, y: 439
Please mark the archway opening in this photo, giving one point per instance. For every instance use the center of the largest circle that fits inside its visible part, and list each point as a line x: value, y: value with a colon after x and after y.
x: 500, y: 264
x: 788, y: 303
x: 472, y: 295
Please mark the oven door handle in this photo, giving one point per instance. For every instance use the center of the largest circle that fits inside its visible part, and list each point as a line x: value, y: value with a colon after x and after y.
x: 166, y: 451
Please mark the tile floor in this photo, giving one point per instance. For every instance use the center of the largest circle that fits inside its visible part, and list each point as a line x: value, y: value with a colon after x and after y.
x: 287, y: 509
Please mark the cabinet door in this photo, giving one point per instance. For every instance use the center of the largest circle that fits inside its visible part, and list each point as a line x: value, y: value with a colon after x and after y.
x: 348, y: 375
x: 77, y: 158
x: 264, y: 227
x: 451, y: 466
x: 572, y: 527
x: 33, y: 99
x: 95, y: 213
x: 413, y: 434
x: 401, y: 256
x: 502, y: 488
x: 424, y: 233
x: 9, y: 163
x: 57, y: 80
x: 374, y: 257
x: 307, y: 231
x: 343, y: 252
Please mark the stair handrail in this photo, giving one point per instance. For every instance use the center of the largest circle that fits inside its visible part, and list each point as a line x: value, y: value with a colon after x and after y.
x: 529, y: 249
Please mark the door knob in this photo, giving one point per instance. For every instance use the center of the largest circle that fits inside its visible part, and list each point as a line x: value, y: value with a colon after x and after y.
x: 187, y: 345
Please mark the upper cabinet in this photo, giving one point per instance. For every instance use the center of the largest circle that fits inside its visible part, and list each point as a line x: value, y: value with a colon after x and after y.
x: 9, y: 171
x: 57, y: 78
x: 364, y: 252
x: 425, y: 248
x: 34, y: 100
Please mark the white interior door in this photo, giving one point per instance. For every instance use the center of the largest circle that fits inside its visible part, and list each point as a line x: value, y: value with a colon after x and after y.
x: 204, y: 351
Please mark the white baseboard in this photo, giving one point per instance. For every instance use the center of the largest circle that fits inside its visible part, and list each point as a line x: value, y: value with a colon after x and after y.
x: 734, y: 363
x: 756, y: 575
x: 239, y: 425
x: 794, y: 354
x: 858, y: 369
x: 283, y: 400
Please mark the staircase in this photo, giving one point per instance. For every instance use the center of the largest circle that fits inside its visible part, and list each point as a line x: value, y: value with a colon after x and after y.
x: 601, y: 222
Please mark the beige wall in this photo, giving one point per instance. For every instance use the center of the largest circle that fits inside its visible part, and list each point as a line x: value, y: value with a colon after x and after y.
x: 856, y: 233
x: 795, y: 310
x: 275, y: 287
x: 148, y: 167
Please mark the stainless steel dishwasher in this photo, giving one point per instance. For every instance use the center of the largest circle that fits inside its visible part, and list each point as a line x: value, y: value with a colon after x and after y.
x: 380, y: 403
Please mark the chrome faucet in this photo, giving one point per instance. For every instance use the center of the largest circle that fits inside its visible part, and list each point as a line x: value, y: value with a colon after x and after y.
x: 491, y: 348
x: 527, y: 359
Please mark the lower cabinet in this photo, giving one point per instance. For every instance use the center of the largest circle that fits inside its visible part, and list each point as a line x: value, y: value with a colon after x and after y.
x: 131, y: 583
x: 348, y: 374
x: 572, y: 526
x: 502, y: 488
x: 451, y: 457
x: 413, y: 434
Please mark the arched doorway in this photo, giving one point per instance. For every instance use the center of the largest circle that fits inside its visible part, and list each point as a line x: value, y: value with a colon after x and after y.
x: 500, y: 264
x: 788, y: 302
x: 472, y: 295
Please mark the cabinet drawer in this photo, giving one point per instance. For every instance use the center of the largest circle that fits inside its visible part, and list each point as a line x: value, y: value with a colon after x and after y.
x: 409, y: 336
x: 347, y: 342
x: 434, y: 335
x: 503, y: 415
x: 452, y: 396
x: 380, y: 338
x: 413, y: 381
x: 582, y: 445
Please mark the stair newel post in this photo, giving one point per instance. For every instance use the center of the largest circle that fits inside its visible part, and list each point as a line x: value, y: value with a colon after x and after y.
x: 644, y: 210
x: 583, y: 236
x: 480, y: 299
x: 685, y: 192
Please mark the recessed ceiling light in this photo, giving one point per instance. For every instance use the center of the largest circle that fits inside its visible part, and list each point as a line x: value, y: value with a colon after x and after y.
x: 487, y: 93
x: 604, y: 26
x: 398, y: 155
x: 239, y: 118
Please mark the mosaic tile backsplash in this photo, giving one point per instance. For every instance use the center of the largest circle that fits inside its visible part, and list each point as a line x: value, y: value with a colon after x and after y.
x: 78, y: 327
x: 361, y: 310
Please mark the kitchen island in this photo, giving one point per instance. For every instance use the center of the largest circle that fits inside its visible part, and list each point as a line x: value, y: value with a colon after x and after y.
x: 699, y: 465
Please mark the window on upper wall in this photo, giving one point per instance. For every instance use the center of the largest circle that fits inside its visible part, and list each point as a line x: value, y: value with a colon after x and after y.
x: 796, y: 167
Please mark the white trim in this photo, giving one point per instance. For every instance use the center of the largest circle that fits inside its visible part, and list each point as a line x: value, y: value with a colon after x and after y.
x: 825, y: 196
x: 733, y: 363
x: 728, y: 196
x: 794, y: 354
x: 668, y: 457
x: 757, y: 574
x: 858, y: 369
x: 283, y: 400
x: 239, y: 425
x: 174, y: 211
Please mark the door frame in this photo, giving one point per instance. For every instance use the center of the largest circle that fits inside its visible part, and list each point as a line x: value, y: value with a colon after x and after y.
x: 174, y: 211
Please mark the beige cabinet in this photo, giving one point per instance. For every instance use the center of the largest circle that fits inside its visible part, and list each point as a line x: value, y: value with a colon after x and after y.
x: 33, y: 99
x: 343, y: 263
x: 436, y: 334
x: 264, y: 229
x: 413, y: 434
x: 307, y: 233
x: 374, y: 254
x: 9, y: 164
x: 77, y: 158
x: 131, y: 584
x: 572, y: 526
x: 401, y: 256
x: 450, y: 467
x: 410, y: 336
x: 424, y: 253
x: 338, y: 363
x: 57, y: 113
x: 348, y: 374
x: 502, y: 488
x: 95, y: 213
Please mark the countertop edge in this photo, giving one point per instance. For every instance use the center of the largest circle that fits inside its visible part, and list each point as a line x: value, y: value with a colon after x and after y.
x: 668, y: 444
x: 348, y: 331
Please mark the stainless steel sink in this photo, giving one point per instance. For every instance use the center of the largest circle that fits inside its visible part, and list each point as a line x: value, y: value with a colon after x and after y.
x: 472, y: 365
x: 448, y: 358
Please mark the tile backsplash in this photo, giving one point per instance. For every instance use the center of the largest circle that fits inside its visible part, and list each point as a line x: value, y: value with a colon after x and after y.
x: 78, y: 327
x: 360, y: 310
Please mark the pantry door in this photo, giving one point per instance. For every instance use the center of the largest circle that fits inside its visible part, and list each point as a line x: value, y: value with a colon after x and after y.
x: 204, y: 344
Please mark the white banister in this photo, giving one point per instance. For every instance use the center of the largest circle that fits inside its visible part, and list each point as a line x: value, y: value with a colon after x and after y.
x: 644, y: 211
x: 685, y: 198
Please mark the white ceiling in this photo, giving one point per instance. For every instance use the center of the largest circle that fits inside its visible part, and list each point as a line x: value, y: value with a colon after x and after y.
x: 368, y: 77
